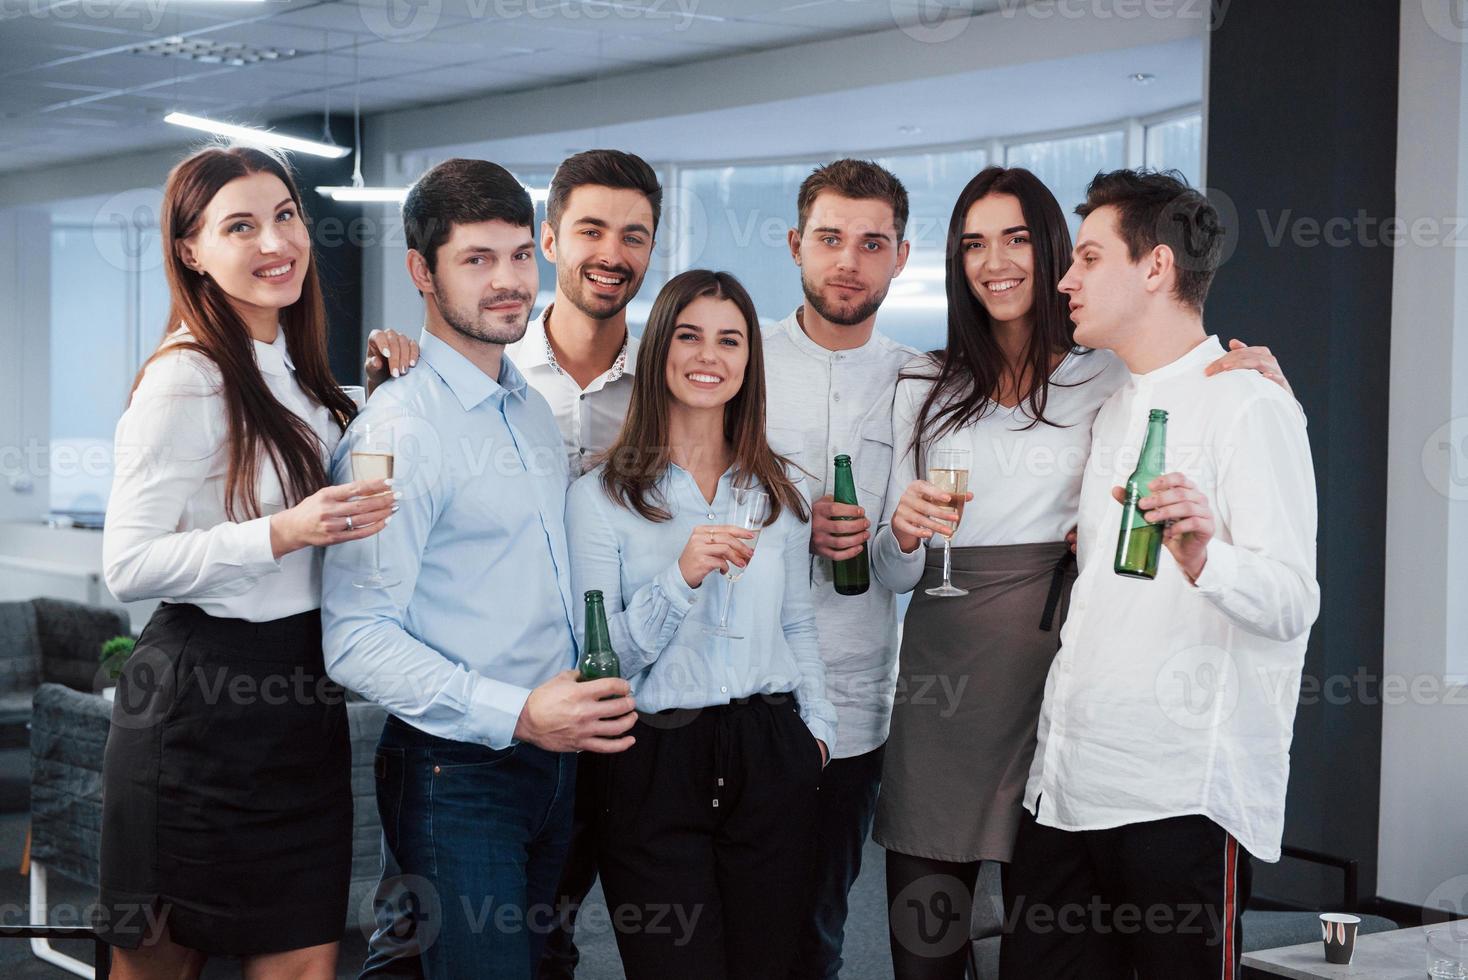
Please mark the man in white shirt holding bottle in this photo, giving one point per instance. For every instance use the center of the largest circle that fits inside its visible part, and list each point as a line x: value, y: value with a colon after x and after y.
x: 830, y: 382
x: 1164, y: 738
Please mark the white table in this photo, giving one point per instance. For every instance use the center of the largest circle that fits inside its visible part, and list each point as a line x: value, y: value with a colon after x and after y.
x: 1397, y: 955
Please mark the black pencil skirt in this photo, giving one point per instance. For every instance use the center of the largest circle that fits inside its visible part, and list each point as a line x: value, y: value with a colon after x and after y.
x: 226, y: 802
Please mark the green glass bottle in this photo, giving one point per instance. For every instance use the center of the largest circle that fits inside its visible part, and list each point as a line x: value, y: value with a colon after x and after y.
x: 598, y: 659
x: 1139, y: 544
x: 853, y: 575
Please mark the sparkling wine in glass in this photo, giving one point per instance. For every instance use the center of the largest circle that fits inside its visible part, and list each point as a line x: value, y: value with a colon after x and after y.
x: 372, y: 459
x: 948, y: 471
x: 749, y: 511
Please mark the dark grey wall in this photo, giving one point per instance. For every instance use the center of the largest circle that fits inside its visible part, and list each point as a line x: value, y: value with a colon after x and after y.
x: 1302, y: 123
x: 337, y: 231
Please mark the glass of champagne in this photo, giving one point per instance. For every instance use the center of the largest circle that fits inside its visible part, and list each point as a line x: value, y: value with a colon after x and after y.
x: 749, y: 510
x: 948, y: 471
x: 372, y: 459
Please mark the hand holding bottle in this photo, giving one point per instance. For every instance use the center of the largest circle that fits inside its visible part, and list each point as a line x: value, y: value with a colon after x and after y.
x: 1176, y: 502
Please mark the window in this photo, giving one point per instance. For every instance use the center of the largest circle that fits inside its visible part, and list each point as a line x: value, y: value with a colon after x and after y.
x: 1067, y: 165
x: 1177, y: 144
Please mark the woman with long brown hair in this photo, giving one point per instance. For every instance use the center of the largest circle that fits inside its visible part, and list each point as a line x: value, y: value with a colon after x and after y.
x: 1013, y: 392
x: 710, y: 813
x: 227, y: 809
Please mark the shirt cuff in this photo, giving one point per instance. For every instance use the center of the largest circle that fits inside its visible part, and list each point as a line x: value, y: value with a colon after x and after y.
x: 1220, y: 571
x: 258, y: 557
x: 824, y: 731
x: 680, y: 594
x: 494, y: 711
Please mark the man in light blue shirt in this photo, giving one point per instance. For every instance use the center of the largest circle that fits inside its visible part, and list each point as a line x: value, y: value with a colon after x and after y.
x: 469, y: 644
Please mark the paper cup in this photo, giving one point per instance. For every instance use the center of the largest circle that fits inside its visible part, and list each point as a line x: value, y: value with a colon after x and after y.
x: 1338, y: 931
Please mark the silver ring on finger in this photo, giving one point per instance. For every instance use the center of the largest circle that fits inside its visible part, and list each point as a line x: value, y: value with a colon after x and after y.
x: 350, y: 526
x: 711, y: 537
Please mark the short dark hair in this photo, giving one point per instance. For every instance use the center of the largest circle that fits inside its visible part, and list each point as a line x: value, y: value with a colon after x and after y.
x: 857, y: 179
x: 603, y: 168
x: 1159, y: 208
x: 461, y: 192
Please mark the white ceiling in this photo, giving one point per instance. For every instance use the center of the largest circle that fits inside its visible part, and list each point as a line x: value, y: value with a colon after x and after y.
x: 71, y: 89
x: 970, y: 107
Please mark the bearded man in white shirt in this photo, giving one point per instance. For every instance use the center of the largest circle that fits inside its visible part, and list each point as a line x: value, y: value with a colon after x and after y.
x: 1164, y: 738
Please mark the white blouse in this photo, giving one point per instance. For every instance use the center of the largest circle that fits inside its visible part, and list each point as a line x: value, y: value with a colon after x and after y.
x: 1026, y: 482
x: 166, y: 534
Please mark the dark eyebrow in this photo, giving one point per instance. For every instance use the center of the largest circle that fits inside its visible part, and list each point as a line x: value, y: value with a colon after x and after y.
x: 870, y: 234
x: 731, y: 331
x: 523, y: 246
x: 1088, y: 243
x: 979, y: 234
x: 599, y: 223
x: 246, y: 214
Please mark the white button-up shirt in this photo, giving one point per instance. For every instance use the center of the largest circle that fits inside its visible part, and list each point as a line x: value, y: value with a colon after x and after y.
x: 820, y: 403
x: 589, y: 418
x: 1169, y: 698
x: 166, y: 534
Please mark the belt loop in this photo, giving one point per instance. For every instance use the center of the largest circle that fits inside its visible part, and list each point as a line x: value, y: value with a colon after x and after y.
x: 1057, y: 581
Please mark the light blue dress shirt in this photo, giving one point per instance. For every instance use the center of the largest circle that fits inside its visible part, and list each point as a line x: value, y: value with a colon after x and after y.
x: 658, y: 623
x: 482, y: 609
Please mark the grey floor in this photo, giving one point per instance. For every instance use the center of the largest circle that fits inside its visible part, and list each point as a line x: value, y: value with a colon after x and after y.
x: 866, y: 932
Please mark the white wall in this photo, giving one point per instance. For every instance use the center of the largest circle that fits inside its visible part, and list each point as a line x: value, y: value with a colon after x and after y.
x: 1424, y: 777
x: 25, y: 357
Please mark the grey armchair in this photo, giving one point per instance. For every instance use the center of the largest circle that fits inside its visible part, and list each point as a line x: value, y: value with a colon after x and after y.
x: 48, y: 641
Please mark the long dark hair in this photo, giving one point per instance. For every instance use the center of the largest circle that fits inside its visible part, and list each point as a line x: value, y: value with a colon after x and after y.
x: 641, y: 454
x: 256, y: 420
x: 966, y: 374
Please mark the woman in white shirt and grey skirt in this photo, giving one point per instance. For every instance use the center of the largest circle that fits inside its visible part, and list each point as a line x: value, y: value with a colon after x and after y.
x: 1014, y: 390
x: 227, y: 808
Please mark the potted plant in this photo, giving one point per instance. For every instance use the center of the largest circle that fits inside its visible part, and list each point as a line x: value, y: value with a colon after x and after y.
x: 114, y: 654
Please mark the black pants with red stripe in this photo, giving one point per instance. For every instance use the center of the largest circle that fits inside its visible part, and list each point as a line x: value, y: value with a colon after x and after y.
x: 1163, y: 898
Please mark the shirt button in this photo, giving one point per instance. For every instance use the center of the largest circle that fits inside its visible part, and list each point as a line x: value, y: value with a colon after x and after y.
x: 836, y: 396
x: 723, y: 690
x: 711, y: 515
x: 581, y: 451
x: 582, y: 397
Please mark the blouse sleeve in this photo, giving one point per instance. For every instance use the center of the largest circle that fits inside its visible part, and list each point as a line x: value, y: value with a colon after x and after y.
x: 164, y: 449
x: 893, y: 568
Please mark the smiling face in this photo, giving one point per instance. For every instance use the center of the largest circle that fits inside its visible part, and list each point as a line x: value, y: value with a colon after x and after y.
x: 998, y: 257
x: 848, y: 254
x: 708, y: 353
x: 601, y: 248
x: 1108, y: 292
x: 485, y: 280
x: 252, y: 242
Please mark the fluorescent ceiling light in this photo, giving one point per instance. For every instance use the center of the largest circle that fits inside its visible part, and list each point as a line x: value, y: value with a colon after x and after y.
x: 386, y: 195
x: 250, y: 134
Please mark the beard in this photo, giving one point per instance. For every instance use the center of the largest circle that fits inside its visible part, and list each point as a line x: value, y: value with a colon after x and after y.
x: 479, y: 324
x: 572, y: 283
x: 846, y: 315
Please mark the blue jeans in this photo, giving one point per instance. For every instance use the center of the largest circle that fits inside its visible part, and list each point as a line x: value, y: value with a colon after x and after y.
x: 848, y: 803
x: 473, y: 839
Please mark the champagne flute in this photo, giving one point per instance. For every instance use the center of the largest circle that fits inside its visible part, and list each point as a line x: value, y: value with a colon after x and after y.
x: 749, y: 511
x: 372, y: 459
x: 948, y: 471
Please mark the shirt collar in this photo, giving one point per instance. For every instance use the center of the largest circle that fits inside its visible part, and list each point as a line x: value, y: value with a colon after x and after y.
x: 802, y: 341
x: 536, y: 350
x: 274, y: 358
x: 469, y: 384
x: 1204, y: 353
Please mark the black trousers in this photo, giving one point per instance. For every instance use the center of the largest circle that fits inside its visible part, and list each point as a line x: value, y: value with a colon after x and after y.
x: 707, y: 841
x: 1163, y: 898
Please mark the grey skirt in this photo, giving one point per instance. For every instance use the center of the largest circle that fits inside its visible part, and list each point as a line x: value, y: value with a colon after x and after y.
x: 971, y: 676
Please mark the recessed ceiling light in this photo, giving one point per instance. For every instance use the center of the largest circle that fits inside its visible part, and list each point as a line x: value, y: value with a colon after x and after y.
x: 1142, y: 78
x: 213, y: 52
x: 909, y: 130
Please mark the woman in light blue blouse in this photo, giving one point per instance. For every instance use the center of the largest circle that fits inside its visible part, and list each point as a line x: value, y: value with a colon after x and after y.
x: 709, y: 816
